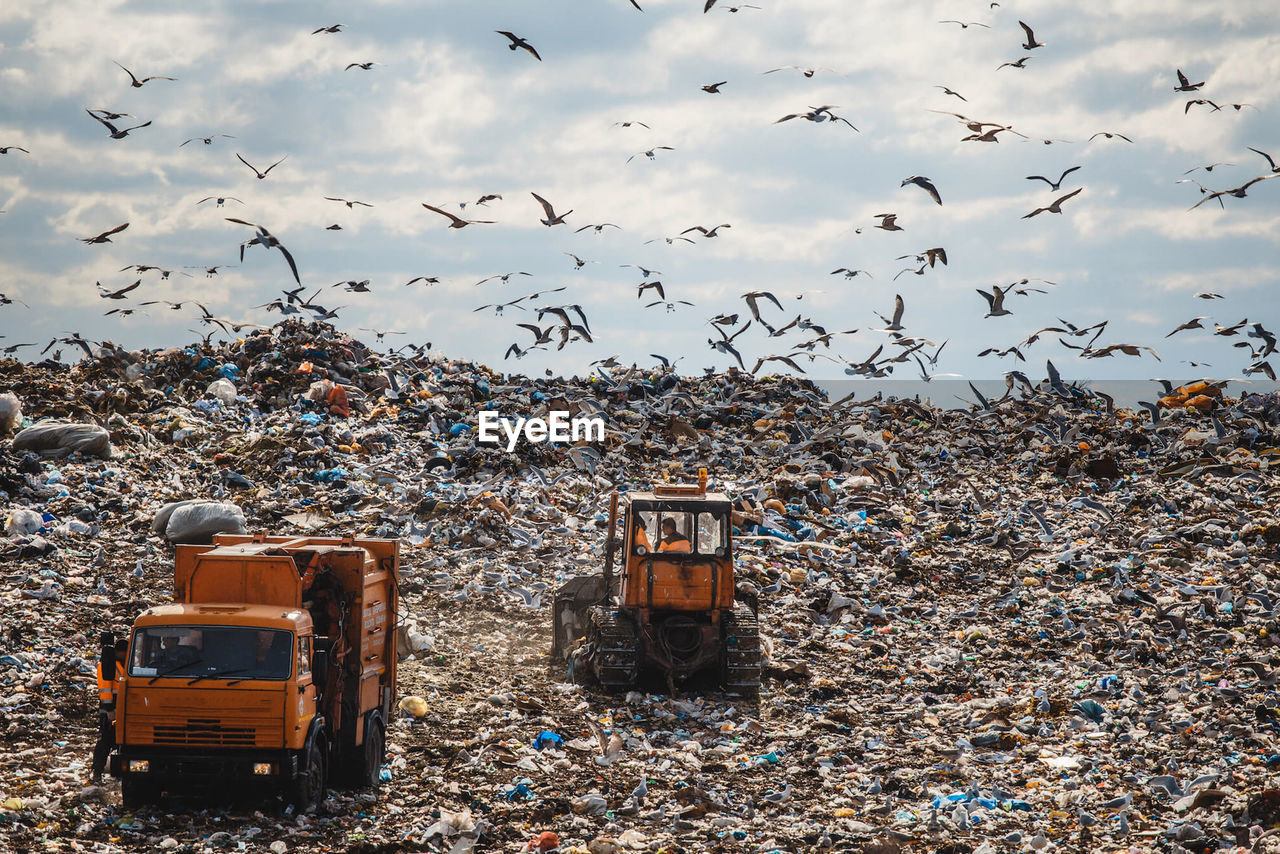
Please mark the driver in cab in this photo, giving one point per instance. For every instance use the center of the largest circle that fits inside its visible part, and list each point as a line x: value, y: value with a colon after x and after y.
x: 672, y: 539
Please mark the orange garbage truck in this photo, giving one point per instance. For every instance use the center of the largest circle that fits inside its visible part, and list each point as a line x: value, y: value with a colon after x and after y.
x: 275, y: 667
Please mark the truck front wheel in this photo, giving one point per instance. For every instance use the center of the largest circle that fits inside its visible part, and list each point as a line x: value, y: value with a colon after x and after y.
x: 308, y: 788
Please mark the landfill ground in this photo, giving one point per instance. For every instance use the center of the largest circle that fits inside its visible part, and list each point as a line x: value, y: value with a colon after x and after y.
x: 1032, y: 624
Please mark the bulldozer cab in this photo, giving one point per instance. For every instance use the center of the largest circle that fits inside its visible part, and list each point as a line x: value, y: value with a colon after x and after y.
x: 677, y: 553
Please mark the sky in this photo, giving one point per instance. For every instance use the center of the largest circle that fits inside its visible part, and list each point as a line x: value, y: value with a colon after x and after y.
x: 448, y: 114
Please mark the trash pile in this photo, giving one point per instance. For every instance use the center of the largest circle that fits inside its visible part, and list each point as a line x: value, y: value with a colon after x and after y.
x: 1038, y: 622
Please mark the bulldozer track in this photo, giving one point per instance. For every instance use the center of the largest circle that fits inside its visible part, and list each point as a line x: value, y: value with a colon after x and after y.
x: 615, y: 658
x: 741, y: 651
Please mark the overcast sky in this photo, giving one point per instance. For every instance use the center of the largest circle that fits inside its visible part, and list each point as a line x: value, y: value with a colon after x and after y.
x: 448, y: 114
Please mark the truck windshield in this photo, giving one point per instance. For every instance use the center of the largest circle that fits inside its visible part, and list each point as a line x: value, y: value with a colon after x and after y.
x: 210, y: 652
x: 680, y: 532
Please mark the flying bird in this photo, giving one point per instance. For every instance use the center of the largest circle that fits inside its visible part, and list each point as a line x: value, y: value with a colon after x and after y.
x: 807, y: 72
x: 348, y: 202
x: 849, y: 274
x: 725, y: 344
x: 104, y: 237
x: 894, y: 325
x: 112, y: 130
x: 207, y: 140
x: 649, y: 154
x: 455, y: 221
x: 1109, y: 135
x: 1238, y: 192
x: 333, y: 28
x: 707, y: 232
x: 5, y: 149
x: 1030, y: 43
x: 502, y: 277
x: 751, y: 299
x: 600, y: 227
x: 644, y: 286
x: 219, y: 201
x: 1270, y: 162
x: 1185, y: 85
x: 517, y: 42
x: 964, y: 25
x: 947, y: 91
x: 1021, y: 63
x: 818, y: 115
x: 1053, y: 185
x: 262, y: 174
x: 1056, y: 206
x: 135, y: 82
x: 889, y: 222
x: 1202, y: 102
x: 995, y: 301
x: 106, y: 294
x: 1193, y: 323
x: 924, y: 184
x: 630, y: 123
x: 363, y: 66
x: 714, y: 88
x: 552, y: 217
x: 579, y: 263
x: 266, y: 239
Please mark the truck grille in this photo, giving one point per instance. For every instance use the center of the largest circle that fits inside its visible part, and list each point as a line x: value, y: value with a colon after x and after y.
x: 205, y: 732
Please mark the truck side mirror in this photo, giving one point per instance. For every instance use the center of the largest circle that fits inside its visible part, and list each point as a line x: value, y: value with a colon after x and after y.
x: 319, y: 666
x: 107, y: 654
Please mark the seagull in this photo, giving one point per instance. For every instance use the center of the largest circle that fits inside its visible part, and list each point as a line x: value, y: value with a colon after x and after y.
x: 894, y: 325
x: 630, y: 123
x: 807, y: 72
x: 714, y: 88
x: 1238, y: 192
x: 113, y: 131
x: 1056, y: 206
x: 1208, y: 295
x: 649, y: 154
x: 579, y: 263
x: 1021, y: 63
x: 644, y: 271
x: 456, y: 222
x: 786, y: 360
x: 267, y: 239
x: 1110, y: 136
x: 135, y: 82
x: 706, y: 232
x: 5, y: 149
x: 818, y: 115
x: 104, y: 237
x: 427, y: 280
x: 1208, y: 168
x: 263, y: 174
x: 1193, y: 323
x: 363, y: 66
x: 947, y: 91
x: 219, y: 201
x: 207, y: 140
x: 995, y: 301
x: 889, y: 222
x: 488, y: 197
x: 1053, y: 185
x: 347, y: 202
x: 751, y: 299
x: 1202, y: 102
x: 504, y: 277
x: 599, y: 228
x: 644, y: 286
x: 1270, y: 162
x: 333, y: 28
x: 552, y: 217
x: 849, y: 274
x: 964, y: 25
x: 924, y: 184
x: 1031, y: 43
x: 517, y: 42
x: 105, y: 294
x: 725, y: 345
x: 1185, y: 85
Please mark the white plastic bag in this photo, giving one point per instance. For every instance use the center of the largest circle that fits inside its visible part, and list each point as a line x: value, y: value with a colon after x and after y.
x: 224, y: 390
x: 197, y: 522
x: 55, y: 438
x: 10, y: 412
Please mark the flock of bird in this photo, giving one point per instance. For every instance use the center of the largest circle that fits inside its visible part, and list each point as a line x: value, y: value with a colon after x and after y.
x: 806, y: 341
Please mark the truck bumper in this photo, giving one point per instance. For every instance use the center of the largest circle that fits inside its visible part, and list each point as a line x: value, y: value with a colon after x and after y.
x: 191, y: 769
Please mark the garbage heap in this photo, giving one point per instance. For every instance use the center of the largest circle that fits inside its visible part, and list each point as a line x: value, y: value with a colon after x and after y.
x: 1034, y: 622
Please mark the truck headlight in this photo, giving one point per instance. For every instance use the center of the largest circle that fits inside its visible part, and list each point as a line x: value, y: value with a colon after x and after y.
x: 139, y: 766
x: 263, y: 769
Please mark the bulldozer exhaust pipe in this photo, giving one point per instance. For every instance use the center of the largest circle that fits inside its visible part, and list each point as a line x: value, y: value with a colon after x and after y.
x: 608, y: 547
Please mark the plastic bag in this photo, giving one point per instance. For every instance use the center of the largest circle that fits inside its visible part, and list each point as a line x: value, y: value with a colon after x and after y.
x: 197, y: 522
x: 22, y: 521
x: 223, y: 390
x: 54, y: 438
x: 10, y: 412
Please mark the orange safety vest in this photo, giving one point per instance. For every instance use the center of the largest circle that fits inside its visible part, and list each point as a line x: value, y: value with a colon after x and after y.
x: 107, y: 687
x: 640, y: 539
x: 675, y: 546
